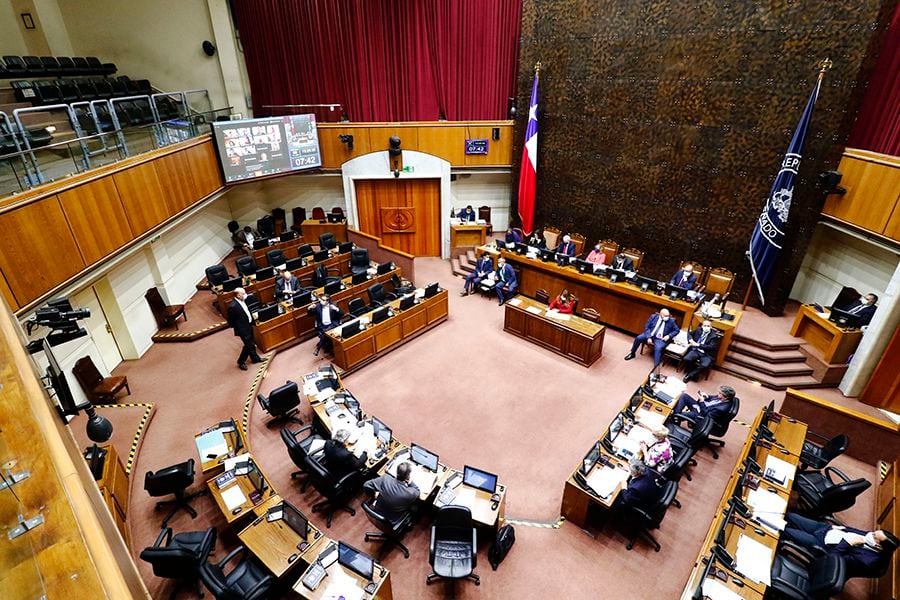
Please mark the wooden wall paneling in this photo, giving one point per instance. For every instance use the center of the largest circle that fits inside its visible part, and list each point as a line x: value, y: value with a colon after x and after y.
x: 334, y: 152
x: 7, y: 293
x: 37, y: 249
x: 177, y: 182
x: 873, y: 188
x: 421, y: 195
x: 425, y: 195
x: 97, y: 218
x: 142, y: 197
x: 446, y: 141
x: 883, y: 388
x: 499, y: 151
x: 379, y: 137
x: 205, y: 170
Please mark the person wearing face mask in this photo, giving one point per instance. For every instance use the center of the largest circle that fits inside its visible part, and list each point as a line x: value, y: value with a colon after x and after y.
x: 622, y: 262
x: 566, y: 246
x: 596, y: 256
x: 328, y: 316
x: 659, y: 331
x: 685, y: 277
x: 536, y: 240
x: 703, y: 344
x: 707, y: 406
x: 864, y: 308
x: 241, y: 321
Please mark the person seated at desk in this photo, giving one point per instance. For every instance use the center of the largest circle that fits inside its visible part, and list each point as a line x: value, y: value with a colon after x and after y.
x: 286, y: 286
x: 338, y: 457
x: 658, y: 455
x: 466, y: 214
x: 659, y: 331
x: 563, y: 303
x: 864, y: 308
x: 506, y: 281
x: 643, y: 491
x: 245, y: 237
x: 707, y: 406
x: 566, y: 246
x: 622, y: 262
x: 703, y: 344
x: 536, y: 239
x: 483, y: 267
x: 394, y: 496
x: 865, y: 553
x: 513, y: 236
x: 596, y: 256
x: 684, y: 278
x: 328, y: 316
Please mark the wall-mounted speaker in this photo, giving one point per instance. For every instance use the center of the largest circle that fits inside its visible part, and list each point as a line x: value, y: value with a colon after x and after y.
x: 208, y: 48
x: 495, y: 133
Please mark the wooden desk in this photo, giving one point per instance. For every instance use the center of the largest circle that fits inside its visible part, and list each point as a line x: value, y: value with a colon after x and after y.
x: 467, y: 235
x: 376, y: 340
x: 443, y: 472
x: 337, y: 575
x: 887, y: 516
x: 274, y: 543
x: 477, y: 501
x: 726, y: 327
x: 313, y: 228
x: 576, y: 338
x: 248, y: 506
x: 113, y: 484
x: 235, y: 441
x: 835, y: 343
x: 621, y: 305
x: 290, y: 249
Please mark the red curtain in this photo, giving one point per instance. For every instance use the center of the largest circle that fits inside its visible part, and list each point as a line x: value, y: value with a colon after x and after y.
x: 877, y: 127
x: 382, y: 60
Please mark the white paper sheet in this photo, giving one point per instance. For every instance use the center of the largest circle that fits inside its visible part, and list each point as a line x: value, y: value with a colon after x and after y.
x: 673, y: 387
x: 533, y: 310
x: 559, y: 316
x: 766, y: 504
x: 316, y: 446
x: 233, y: 497
x: 650, y: 419
x: 423, y: 479
x: 515, y: 301
x: 754, y: 560
x: 715, y: 590
x: 343, y: 588
x: 604, y: 481
x: 234, y: 461
x: 779, y: 470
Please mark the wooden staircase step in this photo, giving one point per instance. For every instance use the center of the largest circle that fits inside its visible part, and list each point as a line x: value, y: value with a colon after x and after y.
x: 470, y: 256
x: 767, y: 355
x: 774, y: 383
x: 779, y: 369
x: 766, y: 345
x: 455, y: 267
x: 466, y: 266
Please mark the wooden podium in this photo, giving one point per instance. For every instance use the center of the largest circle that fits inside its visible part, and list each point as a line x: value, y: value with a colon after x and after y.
x: 835, y: 343
x: 467, y: 235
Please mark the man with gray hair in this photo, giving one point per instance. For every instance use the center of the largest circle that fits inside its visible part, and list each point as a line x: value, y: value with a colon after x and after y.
x: 394, y: 496
x: 642, y: 491
x: 707, y: 406
x: 242, y: 322
x: 338, y: 457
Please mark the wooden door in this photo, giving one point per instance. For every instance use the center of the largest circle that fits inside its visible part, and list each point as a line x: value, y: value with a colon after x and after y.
x: 404, y: 213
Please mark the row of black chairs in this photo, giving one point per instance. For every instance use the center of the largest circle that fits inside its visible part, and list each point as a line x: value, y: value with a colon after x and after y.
x: 66, y: 91
x: 53, y: 66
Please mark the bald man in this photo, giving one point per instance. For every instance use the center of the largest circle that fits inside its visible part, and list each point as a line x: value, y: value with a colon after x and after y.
x: 566, y: 246
x: 685, y: 277
x: 660, y: 329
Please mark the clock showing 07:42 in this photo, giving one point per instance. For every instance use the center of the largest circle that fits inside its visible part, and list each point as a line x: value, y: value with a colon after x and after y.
x: 476, y: 146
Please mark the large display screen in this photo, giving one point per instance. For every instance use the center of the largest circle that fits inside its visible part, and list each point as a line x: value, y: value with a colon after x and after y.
x: 258, y: 147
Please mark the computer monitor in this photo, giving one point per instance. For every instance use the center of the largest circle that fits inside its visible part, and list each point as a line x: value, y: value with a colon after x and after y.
x: 562, y: 259
x: 350, y: 329
x: 320, y: 255
x: 384, y: 267
x: 359, y: 562
x: 844, y: 318
x: 482, y: 480
x: 590, y: 459
x: 380, y: 315
x: 547, y: 255
x: 432, y: 289
x: 334, y: 218
x: 698, y: 590
x: 615, y: 275
x: 289, y: 235
x: 382, y: 432
x: 294, y: 519
x: 267, y: 313
x: 333, y: 288
x: 265, y: 273
x: 256, y: 478
x: 521, y: 248
x: 421, y: 456
x: 647, y: 284
x: 719, y: 538
x: 584, y: 266
x: 260, y: 243
x: 616, y: 426
x: 359, y: 278
x: 407, y: 302
x: 292, y: 264
x: 302, y: 299
x: 345, y: 247
x: 675, y: 293
x: 229, y: 285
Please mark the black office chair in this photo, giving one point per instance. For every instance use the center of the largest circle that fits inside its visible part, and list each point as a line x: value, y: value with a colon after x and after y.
x: 356, y: 308
x: 683, y: 424
x: 389, y: 533
x: 327, y: 241
x: 641, y: 522
x: 452, y: 552
x: 797, y: 575
x: 246, y: 266
x: 678, y: 468
x: 688, y: 439
x: 379, y: 297
x: 276, y: 258
x: 181, y: 556
x: 816, y: 457
x: 337, y: 492
x: 320, y: 276
x: 282, y: 404
x: 266, y: 226
x: 173, y: 480
x: 402, y: 286
x: 298, y: 450
x: 304, y: 250
x: 821, y: 496
x: 217, y: 274
x: 252, y: 302
x: 359, y: 261
x: 248, y: 580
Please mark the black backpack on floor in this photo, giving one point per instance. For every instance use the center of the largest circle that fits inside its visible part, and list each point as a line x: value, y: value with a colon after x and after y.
x: 506, y: 537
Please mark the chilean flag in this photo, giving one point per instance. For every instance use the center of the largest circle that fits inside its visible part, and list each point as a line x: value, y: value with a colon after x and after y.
x: 528, y: 172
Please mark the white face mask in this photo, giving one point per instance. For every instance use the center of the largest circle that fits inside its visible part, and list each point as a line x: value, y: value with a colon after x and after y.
x: 597, y: 248
x: 706, y: 328
x: 665, y: 319
x: 871, y: 541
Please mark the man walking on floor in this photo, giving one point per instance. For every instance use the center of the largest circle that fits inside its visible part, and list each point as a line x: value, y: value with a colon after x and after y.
x: 242, y: 322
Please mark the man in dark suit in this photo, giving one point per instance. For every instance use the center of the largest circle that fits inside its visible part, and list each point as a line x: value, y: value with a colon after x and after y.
x: 642, y: 492
x: 242, y: 322
x: 707, y: 406
x: 865, y: 553
x: 245, y: 237
x: 622, y: 262
x: 864, y: 308
x: 685, y: 278
x: 703, y: 344
x: 328, y: 316
x: 506, y: 281
x: 395, y: 496
x: 483, y: 267
x: 566, y: 246
x: 338, y: 457
x: 659, y: 331
x: 286, y: 286
x: 513, y: 236
x: 466, y: 214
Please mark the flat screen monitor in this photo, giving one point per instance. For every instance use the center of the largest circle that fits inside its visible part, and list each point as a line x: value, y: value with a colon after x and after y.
x: 320, y: 255
x: 252, y: 148
x: 698, y: 591
x: 380, y: 315
x: 407, y: 302
x: 482, y: 480
x: 385, y: 267
x: 359, y: 278
x: 421, y: 456
x: 294, y: 519
x: 359, y: 562
x: 432, y: 289
x: 615, y: 275
x: 260, y: 243
x: 675, y: 293
x: 521, y: 248
x: 229, y: 285
x: 267, y: 313
x: 333, y: 288
x: 547, y: 255
x: 58, y: 382
x: 562, y: 259
x: 382, y: 432
x: 844, y: 318
x: 334, y: 218
x: 616, y: 426
x: 584, y: 266
x: 345, y: 247
x: 292, y: 264
x: 265, y: 273
x: 590, y: 459
x: 302, y: 299
x: 256, y: 478
x: 647, y: 284
x: 289, y: 235
x: 350, y: 329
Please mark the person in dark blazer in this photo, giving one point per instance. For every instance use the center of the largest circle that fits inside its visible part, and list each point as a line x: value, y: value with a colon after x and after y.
x: 506, y: 281
x: 864, y: 308
x: 328, y: 316
x: 394, y: 496
x: 466, y: 214
x: 685, y: 278
x: 338, y: 457
x: 240, y: 319
x: 707, y: 406
x: 245, y: 237
x: 659, y: 331
x: 286, y: 286
x: 536, y: 239
x: 622, y: 262
x: 643, y: 490
x: 703, y: 344
x: 513, y: 236
x: 865, y: 553
x: 566, y: 246
x: 483, y: 267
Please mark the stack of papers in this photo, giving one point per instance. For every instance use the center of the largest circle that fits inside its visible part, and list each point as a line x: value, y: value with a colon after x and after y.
x: 754, y: 560
x: 343, y: 588
x: 424, y: 479
x: 716, y: 590
x: 515, y: 301
x: 211, y: 445
x: 233, y: 497
x: 765, y: 504
x: 672, y: 387
x: 779, y: 471
x: 324, y: 394
x: 650, y: 419
x: 605, y: 481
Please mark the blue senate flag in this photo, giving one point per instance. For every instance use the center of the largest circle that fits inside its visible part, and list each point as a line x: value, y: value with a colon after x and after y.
x: 768, y: 235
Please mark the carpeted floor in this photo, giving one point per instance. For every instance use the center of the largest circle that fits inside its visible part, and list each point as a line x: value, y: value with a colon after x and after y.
x: 476, y: 396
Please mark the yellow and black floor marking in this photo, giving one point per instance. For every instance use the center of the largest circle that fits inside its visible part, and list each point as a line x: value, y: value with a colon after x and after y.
x: 532, y: 523
x: 148, y: 408
x: 254, y: 387
x: 189, y: 336
x: 883, y: 469
x: 741, y: 423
